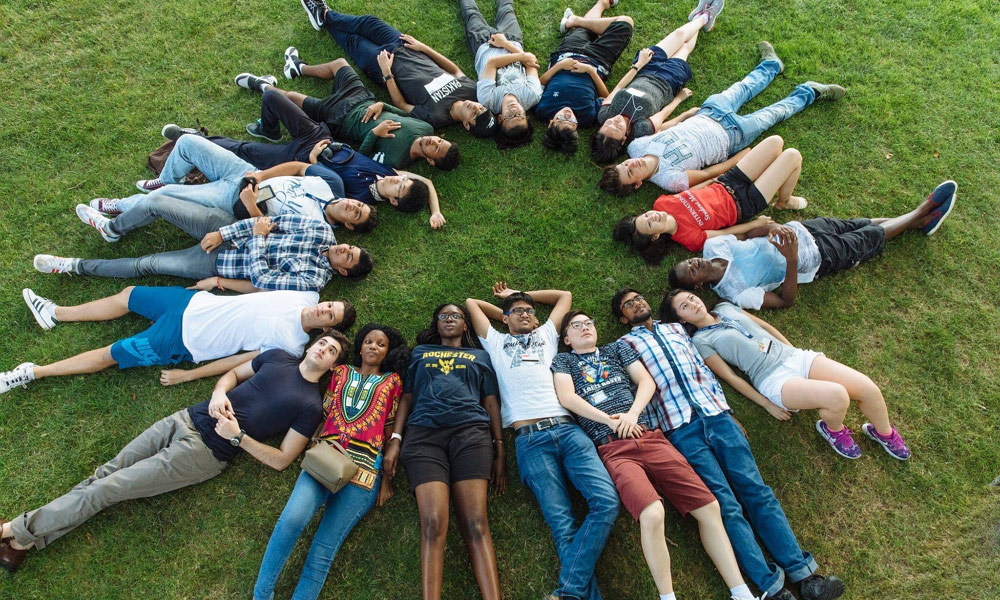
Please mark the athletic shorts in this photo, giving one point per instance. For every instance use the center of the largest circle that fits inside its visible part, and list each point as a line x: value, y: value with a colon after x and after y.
x: 844, y: 243
x: 749, y: 201
x: 604, y: 49
x: 348, y: 92
x: 161, y: 343
x: 795, y: 366
x: 649, y: 468
x: 674, y: 71
x: 447, y: 454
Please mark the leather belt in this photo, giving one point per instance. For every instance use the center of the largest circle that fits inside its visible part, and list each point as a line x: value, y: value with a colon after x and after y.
x: 542, y: 425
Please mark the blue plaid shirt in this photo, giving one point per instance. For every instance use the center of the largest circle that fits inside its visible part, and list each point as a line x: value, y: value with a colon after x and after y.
x: 683, y: 380
x: 291, y: 257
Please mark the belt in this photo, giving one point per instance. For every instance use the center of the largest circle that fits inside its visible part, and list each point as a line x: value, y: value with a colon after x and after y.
x: 542, y: 425
x: 607, y: 439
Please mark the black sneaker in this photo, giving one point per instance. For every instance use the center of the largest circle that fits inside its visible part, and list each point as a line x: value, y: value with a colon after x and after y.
x: 257, y: 130
x: 316, y: 10
x: 783, y: 594
x: 818, y: 587
x: 255, y: 83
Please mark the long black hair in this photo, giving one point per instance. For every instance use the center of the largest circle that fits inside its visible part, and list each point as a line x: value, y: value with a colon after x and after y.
x: 668, y: 314
x: 397, y: 358
x: 432, y: 336
x: 652, y: 251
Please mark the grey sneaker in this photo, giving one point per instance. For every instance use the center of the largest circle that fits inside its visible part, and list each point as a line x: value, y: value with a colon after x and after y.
x: 47, y: 263
x: 43, y: 309
x: 293, y: 64
x: 257, y: 130
x: 827, y: 91
x: 173, y: 132
x: 712, y: 9
x: 767, y: 53
x: 565, y: 19
x: 21, y: 375
x: 253, y: 82
x: 98, y: 221
x: 316, y: 11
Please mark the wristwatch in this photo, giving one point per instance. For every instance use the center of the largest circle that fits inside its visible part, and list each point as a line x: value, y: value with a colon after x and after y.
x: 236, y: 439
x: 386, y: 78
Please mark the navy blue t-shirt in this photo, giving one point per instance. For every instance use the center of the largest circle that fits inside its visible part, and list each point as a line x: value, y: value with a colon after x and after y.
x: 575, y: 90
x: 357, y: 172
x: 448, y: 385
x: 277, y: 398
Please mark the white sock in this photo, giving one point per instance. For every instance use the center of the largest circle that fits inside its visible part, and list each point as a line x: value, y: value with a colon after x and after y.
x: 741, y: 592
x: 670, y: 596
x: 264, y: 87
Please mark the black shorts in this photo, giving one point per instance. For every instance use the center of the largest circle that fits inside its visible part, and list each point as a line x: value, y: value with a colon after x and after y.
x: 447, y: 454
x: 844, y: 243
x: 674, y: 71
x: 348, y: 92
x: 749, y: 201
x: 604, y: 49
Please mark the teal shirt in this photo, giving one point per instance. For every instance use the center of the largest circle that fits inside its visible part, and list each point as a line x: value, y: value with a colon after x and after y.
x: 392, y: 152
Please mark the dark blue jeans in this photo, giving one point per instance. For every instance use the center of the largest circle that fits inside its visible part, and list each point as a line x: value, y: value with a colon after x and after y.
x: 546, y: 459
x: 718, y: 450
x: 362, y: 38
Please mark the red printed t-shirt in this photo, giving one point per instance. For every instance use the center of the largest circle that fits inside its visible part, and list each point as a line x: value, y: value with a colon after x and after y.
x: 358, y: 408
x: 698, y: 211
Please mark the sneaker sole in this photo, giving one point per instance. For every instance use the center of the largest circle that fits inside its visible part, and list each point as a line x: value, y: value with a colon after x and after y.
x: 31, y: 307
x: 951, y: 207
x: 81, y: 213
x: 312, y: 20
x: 829, y: 443
x: 879, y: 442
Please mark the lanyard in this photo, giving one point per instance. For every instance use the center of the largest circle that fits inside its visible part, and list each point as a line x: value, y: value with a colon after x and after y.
x: 727, y: 322
x: 323, y: 203
x: 598, y: 367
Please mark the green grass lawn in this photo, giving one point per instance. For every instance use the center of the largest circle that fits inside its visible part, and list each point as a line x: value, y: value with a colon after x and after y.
x: 87, y: 86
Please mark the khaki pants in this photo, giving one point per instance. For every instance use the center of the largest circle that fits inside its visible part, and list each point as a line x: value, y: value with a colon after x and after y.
x: 167, y: 456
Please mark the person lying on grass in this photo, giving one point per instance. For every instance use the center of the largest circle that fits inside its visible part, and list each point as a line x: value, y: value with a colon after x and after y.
x: 594, y: 383
x: 750, y: 272
x: 359, y: 406
x: 276, y: 394
x: 725, y: 206
x: 783, y: 379
x: 704, y: 142
x: 187, y: 326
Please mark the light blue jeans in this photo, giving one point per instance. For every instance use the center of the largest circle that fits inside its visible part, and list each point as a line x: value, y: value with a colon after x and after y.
x: 223, y: 169
x: 546, y: 459
x: 744, y: 129
x: 343, y: 511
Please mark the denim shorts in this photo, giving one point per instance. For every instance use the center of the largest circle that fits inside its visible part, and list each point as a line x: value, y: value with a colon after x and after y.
x: 162, y: 343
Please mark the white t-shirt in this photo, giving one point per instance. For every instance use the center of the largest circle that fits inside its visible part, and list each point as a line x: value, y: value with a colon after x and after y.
x: 512, y: 79
x: 526, y: 389
x: 298, y: 195
x: 217, y: 326
x: 692, y: 145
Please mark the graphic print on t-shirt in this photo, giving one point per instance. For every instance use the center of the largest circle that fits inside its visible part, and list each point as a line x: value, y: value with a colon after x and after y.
x: 441, y: 86
x: 524, y: 348
x: 445, y: 360
x: 694, y: 206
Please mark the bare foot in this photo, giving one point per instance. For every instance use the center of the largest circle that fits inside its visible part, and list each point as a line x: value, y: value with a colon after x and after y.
x: 173, y: 376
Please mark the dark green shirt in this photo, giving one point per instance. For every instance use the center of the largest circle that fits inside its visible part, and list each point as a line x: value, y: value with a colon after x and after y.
x: 392, y: 152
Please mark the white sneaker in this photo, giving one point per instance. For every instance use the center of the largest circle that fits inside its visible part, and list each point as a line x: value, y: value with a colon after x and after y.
x: 292, y: 61
x: 149, y: 185
x: 43, y: 309
x: 565, y: 18
x: 46, y: 263
x: 21, y: 375
x: 253, y: 82
x: 108, y: 206
x: 98, y: 221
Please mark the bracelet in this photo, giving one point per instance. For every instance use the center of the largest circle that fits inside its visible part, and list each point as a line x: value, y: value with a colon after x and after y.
x: 498, y: 442
x: 634, y: 67
x: 395, y: 436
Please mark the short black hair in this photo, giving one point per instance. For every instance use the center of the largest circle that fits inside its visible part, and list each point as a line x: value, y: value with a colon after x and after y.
x: 515, y: 136
x: 604, y: 149
x: 370, y: 223
x: 350, y: 315
x: 564, y: 327
x: 616, y: 301
x: 416, y: 198
x: 611, y: 183
x: 514, y: 298
x: 364, y: 266
x: 450, y: 159
x: 673, y: 277
x: 561, y: 139
x: 652, y: 251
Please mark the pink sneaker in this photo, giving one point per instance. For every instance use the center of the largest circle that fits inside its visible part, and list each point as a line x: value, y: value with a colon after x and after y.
x: 841, y: 441
x: 893, y: 443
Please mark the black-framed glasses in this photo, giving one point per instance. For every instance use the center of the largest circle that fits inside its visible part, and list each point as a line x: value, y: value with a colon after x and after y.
x: 633, y: 301
x: 451, y: 316
x: 520, y: 310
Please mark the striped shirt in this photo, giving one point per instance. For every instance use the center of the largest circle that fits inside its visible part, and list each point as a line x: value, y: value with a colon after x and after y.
x: 682, y: 378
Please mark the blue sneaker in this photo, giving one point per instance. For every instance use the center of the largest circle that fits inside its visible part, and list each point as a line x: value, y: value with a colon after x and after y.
x: 943, y: 197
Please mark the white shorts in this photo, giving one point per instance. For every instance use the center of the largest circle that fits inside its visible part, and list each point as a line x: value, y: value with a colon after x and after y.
x: 796, y: 365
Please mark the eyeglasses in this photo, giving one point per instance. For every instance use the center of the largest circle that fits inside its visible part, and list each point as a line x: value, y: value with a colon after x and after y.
x: 451, y: 317
x: 633, y: 301
x: 565, y: 118
x: 578, y: 325
x: 520, y: 310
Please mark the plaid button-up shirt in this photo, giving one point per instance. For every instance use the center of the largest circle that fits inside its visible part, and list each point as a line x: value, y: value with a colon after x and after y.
x: 683, y: 380
x: 291, y: 257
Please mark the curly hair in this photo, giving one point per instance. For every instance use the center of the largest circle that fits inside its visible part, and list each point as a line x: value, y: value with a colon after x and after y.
x: 416, y: 198
x: 450, y: 159
x: 396, y: 359
x: 430, y: 335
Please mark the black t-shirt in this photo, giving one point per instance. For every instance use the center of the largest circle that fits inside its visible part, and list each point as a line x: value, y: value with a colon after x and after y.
x: 448, y: 385
x: 428, y: 87
x: 277, y: 398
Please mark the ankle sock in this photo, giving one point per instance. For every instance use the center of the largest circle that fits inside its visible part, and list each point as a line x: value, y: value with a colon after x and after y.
x: 670, y: 596
x: 742, y: 592
x: 886, y: 437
